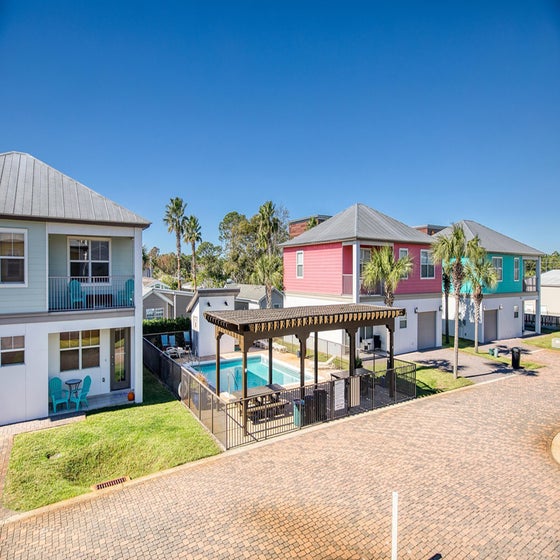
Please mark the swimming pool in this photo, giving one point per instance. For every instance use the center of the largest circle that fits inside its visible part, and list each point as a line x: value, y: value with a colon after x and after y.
x: 257, y: 373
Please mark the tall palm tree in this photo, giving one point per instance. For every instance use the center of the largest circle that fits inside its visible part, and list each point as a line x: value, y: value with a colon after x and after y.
x: 193, y: 236
x: 446, y: 284
x: 480, y: 274
x: 384, y: 267
x: 268, y: 271
x: 267, y: 227
x: 311, y: 223
x: 175, y: 220
x: 451, y: 250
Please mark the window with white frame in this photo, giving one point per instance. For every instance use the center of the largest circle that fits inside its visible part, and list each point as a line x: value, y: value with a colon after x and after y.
x: 154, y: 313
x: 497, y: 263
x: 427, y: 269
x: 403, y: 253
x: 299, y: 264
x: 403, y: 323
x: 516, y: 269
x: 12, y: 350
x: 365, y: 257
x: 89, y: 259
x: 13, y: 248
x: 79, y: 350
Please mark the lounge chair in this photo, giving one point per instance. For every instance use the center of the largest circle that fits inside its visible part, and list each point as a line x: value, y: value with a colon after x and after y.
x: 329, y: 364
x: 81, y: 396
x: 57, y: 394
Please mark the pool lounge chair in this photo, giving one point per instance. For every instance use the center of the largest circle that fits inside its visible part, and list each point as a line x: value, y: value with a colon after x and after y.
x: 329, y: 364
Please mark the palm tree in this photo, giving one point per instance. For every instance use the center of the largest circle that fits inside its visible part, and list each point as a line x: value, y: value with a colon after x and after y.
x: 451, y: 250
x: 268, y: 271
x: 480, y: 274
x: 311, y: 223
x: 192, y: 236
x: 446, y: 283
x: 267, y: 227
x: 383, y: 267
x: 175, y: 220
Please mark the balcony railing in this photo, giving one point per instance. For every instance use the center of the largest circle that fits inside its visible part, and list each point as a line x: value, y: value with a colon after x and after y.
x: 347, y: 282
x: 67, y: 293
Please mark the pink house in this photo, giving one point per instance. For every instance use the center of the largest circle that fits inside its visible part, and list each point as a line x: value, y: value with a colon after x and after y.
x: 324, y: 265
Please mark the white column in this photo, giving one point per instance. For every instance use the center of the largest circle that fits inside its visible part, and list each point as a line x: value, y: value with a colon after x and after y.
x: 136, y: 335
x: 538, y: 301
x: 356, y: 284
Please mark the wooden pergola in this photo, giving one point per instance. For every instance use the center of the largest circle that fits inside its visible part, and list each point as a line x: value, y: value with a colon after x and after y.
x: 246, y: 326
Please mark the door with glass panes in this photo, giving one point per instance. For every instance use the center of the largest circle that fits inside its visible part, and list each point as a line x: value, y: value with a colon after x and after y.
x: 120, y: 359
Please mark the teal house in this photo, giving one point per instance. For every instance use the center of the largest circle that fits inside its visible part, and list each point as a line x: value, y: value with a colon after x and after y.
x: 502, y: 313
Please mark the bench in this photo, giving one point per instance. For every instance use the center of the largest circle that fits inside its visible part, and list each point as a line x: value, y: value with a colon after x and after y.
x: 269, y: 409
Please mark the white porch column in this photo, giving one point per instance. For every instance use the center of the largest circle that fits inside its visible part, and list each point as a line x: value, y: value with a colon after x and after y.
x: 538, y: 301
x: 138, y: 361
x: 356, y: 280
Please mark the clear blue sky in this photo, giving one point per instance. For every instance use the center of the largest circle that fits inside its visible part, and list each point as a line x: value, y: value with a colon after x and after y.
x: 431, y: 112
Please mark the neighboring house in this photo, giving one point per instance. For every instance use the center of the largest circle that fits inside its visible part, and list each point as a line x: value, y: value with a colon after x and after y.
x: 550, y: 292
x: 324, y: 266
x: 203, y: 333
x: 297, y: 227
x: 70, y: 288
x: 253, y: 296
x: 502, y: 312
x: 161, y: 302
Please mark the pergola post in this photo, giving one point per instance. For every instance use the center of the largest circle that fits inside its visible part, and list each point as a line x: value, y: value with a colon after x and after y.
x: 269, y: 361
x: 218, y: 339
x: 391, y: 359
x: 244, y: 378
x: 302, y: 352
x: 316, y: 356
x: 352, y: 363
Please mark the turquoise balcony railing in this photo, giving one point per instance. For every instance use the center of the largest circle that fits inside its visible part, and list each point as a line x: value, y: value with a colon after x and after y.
x: 67, y: 293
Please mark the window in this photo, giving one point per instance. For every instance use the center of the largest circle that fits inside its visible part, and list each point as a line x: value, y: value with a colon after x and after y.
x: 154, y: 313
x: 299, y: 264
x: 498, y: 264
x: 89, y: 259
x: 79, y: 350
x: 426, y: 265
x: 402, y: 254
x: 403, y: 322
x: 13, y: 245
x: 12, y: 350
x: 365, y: 257
x: 516, y: 269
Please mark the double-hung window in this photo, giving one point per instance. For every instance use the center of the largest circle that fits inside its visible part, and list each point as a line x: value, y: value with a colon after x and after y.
x: 13, y: 248
x: 299, y: 264
x: 426, y: 265
x: 497, y: 263
x: 12, y: 350
x: 516, y: 269
x: 89, y: 259
x: 79, y: 350
x: 402, y: 254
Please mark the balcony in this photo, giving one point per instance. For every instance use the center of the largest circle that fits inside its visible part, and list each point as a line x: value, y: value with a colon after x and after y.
x: 70, y: 293
x: 347, y: 281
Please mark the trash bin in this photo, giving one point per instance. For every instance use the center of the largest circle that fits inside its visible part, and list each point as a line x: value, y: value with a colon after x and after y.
x: 321, y: 404
x: 299, y: 411
x: 310, y: 415
x: 515, y: 357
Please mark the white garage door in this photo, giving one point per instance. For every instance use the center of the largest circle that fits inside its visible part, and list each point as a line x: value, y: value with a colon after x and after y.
x: 490, y: 325
x: 426, y: 330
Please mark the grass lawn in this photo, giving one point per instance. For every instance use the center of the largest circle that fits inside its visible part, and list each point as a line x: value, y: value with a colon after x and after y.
x: 51, y: 465
x: 543, y: 341
x: 431, y: 380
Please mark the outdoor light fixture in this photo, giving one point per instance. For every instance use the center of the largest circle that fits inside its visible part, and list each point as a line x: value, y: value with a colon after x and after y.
x: 441, y: 307
x: 225, y: 303
x: 208, y: 304
x: 416, y: 310
x: 501, y: 306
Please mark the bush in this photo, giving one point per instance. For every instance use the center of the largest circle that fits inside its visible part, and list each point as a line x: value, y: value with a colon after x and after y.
x: 152, y: 326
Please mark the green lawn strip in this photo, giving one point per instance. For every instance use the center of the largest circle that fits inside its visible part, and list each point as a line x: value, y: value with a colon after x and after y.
x: 432, y: 380
x: 543, y: 341
x: 51, y: 465
x: 467, y: 346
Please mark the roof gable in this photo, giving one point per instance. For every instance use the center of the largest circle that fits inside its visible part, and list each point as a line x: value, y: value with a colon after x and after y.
x: 31, y: 189
x: 360, y: 222
x: 491, y: 240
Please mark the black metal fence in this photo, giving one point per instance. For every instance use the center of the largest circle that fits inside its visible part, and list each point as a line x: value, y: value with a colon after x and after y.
x: 281, y: 409
x: 550, y: 322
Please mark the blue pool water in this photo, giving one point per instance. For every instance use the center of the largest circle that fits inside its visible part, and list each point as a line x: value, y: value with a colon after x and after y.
x: 257, y: 373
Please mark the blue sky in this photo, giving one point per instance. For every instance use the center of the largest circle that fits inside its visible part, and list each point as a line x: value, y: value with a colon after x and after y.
x: 430, y: 112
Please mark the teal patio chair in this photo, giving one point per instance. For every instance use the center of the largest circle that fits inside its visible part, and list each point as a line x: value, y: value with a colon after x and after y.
x: 126, y: 296
x: 76, y: 294
x: 81, y: 396
x: 164, y: 341
x: 57, y: 395
x: 172, y: 341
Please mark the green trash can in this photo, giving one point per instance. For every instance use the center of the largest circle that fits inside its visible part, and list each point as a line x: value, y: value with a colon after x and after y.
x: 299, y: 412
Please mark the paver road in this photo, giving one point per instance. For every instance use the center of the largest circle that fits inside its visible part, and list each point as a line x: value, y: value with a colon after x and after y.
x: 473, y: 469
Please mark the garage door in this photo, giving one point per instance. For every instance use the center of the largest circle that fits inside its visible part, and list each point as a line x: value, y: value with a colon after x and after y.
x: 490, y: 325
x: 426, y: 330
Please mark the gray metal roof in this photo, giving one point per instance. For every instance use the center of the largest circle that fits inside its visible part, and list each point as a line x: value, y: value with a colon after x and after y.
x: 550, y: 278
x: 360, y: 222
x: 31, y: 189
x: 493, y: 241
x: 251, y: 292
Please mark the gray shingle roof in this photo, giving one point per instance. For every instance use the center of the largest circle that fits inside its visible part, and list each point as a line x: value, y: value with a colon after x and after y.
x: 493, y: 241
x: 360, y: 222
x: 31, y: 189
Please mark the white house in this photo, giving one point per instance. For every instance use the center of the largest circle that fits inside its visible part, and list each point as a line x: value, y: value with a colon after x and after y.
x: 70, y: 288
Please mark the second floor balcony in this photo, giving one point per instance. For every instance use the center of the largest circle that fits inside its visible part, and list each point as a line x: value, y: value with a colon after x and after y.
x: 347, y: 283
x: 71, y: 293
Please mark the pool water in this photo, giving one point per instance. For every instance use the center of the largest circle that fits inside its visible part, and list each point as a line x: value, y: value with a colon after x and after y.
x: 257, y: 373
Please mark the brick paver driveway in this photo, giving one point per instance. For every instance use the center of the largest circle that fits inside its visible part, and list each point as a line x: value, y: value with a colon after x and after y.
x: 473, y: 469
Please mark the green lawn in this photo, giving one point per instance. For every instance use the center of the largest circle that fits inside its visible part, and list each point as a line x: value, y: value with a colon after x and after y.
x: 431, y: 380
x: 543, y: 341
x: 51, y: 465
